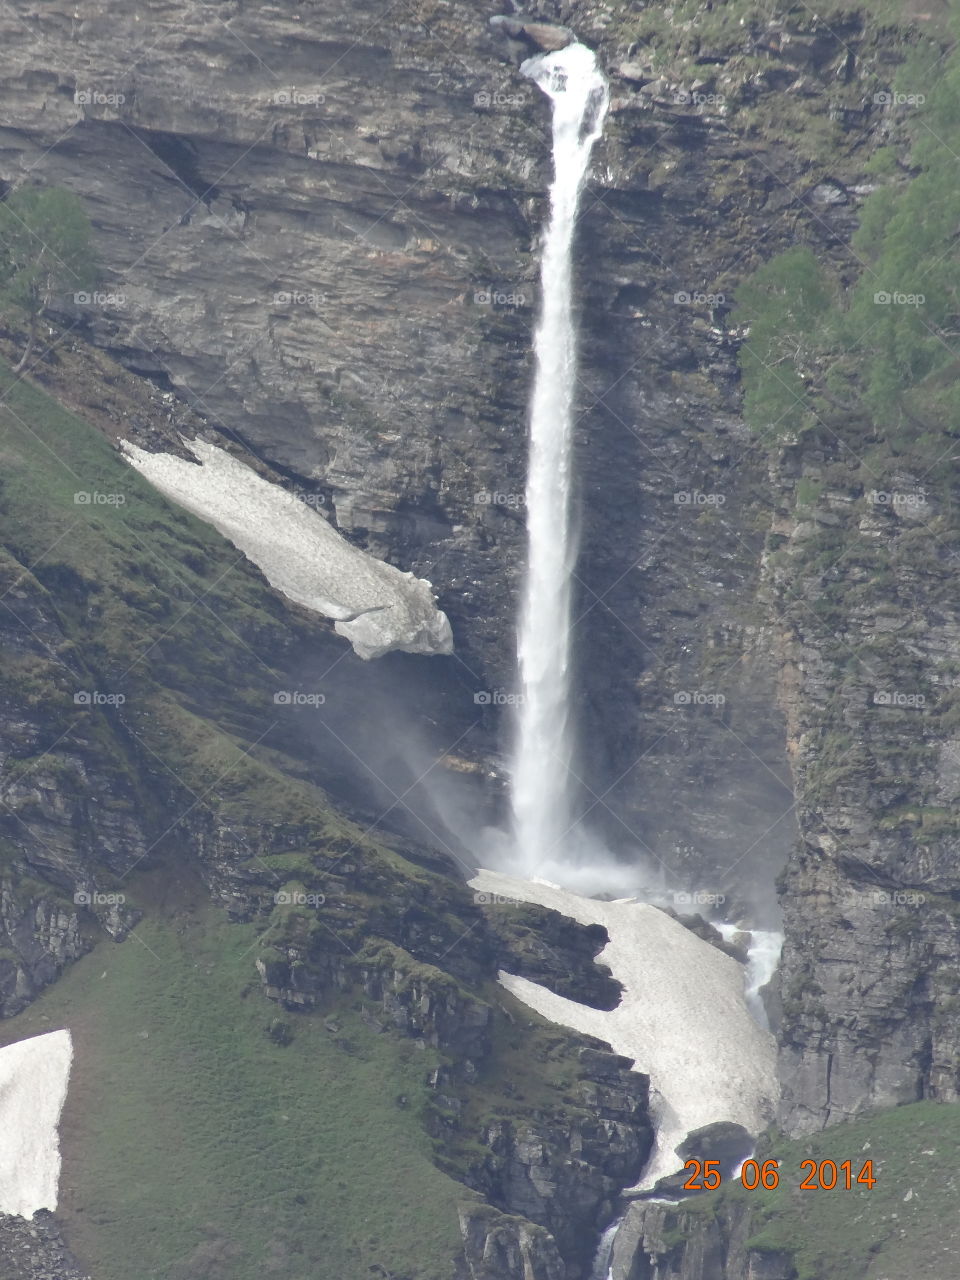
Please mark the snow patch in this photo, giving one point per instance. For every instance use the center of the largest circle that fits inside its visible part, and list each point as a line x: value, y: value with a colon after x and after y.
x: 683, y: 1018
x: 33, y: 1086
x: 376, y: 606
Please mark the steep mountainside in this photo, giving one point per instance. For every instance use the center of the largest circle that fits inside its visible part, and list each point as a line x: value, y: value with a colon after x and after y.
x: 318, y: 232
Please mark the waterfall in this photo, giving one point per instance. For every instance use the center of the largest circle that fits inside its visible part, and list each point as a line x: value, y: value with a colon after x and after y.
x: 763, y: 956
x: 541, y: 771
x: 601, y: 1269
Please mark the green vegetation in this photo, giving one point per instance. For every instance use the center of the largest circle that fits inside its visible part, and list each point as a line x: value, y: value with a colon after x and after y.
x: 821, y: 350
x: 688, y: 28
x: 906, y: 1225
x: 202, y: 1140
x: 785, y: 304
x: 44, y: 251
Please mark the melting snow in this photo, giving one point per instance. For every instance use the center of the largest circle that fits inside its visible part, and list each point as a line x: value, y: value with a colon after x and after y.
x: 683, y: 1017
x: 376, y: 606
x: 33, y: 1086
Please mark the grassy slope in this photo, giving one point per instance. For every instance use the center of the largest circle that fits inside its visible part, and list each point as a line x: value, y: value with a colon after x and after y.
x: 196, y: 1146
x: 863, y: 1234
x: 174, y: 1142
x: 139, y: 584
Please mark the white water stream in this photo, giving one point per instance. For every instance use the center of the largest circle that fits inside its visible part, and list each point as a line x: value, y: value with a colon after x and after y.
x: 541, y: 791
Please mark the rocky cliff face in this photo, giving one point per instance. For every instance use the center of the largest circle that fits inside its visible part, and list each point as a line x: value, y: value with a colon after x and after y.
x: 870, y: 897
x: 660, y: 1242
x: 323, y: 226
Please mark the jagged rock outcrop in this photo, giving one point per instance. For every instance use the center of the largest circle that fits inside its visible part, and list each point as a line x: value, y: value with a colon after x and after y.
x: 664, y: 1242
x: 567, y: 1179
x: 554, y: 951
x: 496, y: 1245
x: 69, y: 824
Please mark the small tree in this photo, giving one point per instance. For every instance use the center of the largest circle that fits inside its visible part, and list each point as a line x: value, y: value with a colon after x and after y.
x: 44, y: 250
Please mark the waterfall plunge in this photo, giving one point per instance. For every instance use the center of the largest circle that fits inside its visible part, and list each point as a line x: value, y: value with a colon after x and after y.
x: 542, y: 781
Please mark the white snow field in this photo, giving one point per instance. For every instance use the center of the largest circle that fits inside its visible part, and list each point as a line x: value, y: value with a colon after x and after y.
x: 33, y: 1086
x: 683, y: 1017
x: 376, y: 607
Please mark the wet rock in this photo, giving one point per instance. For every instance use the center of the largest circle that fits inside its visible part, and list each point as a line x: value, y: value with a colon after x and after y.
x: 526, y: 38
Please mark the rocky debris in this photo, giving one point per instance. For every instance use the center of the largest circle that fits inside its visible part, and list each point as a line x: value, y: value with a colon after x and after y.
x: 33, y: 1249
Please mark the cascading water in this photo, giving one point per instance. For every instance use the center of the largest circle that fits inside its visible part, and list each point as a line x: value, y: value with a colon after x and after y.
x: 763, y: 956
x: 541, y: 790
x: 601, y: 1269
x: 545, y: 835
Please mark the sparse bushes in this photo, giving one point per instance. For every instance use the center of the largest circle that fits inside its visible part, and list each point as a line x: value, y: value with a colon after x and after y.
x: 44, y: 251
x: 888, y: 342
